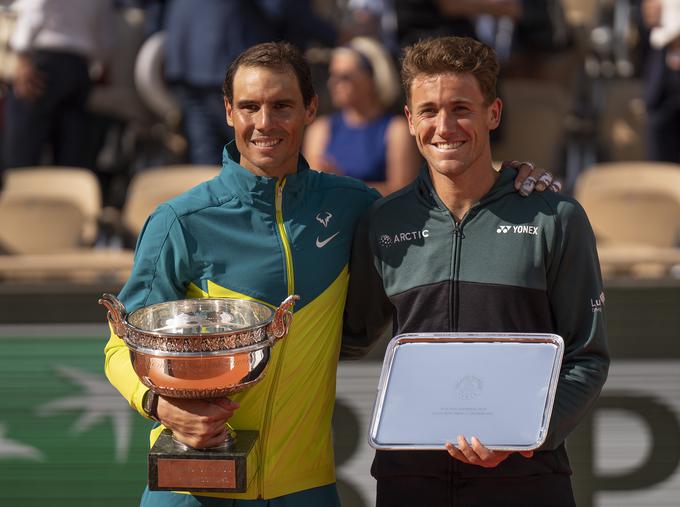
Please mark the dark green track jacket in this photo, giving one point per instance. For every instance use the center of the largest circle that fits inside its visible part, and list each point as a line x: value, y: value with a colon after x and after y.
x: 512, y: 264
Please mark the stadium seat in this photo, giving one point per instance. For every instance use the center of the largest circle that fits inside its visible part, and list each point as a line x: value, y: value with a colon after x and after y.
x: 48, y: 209
x: 49, y: 224
x: 153, y: 186
x: 634, y: 208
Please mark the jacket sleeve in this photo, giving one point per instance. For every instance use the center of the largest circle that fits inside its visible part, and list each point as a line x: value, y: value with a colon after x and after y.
x: 159, y: 274
x: 368, y: 311
x: 577, y: 303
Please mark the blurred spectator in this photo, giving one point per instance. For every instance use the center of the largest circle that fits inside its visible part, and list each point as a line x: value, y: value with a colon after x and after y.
x: 662, y: 79
x: 522, y: 29
x: 371, y: 18
x: 363, y: 139
x: 418, y: 19
x: 56, y: 41
x: 202, y: 41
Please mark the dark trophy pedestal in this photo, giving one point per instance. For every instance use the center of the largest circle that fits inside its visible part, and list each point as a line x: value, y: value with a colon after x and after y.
x: 175, y: 467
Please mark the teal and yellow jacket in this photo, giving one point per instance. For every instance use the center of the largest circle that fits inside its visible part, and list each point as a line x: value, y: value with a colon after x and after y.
x: 251, y: 237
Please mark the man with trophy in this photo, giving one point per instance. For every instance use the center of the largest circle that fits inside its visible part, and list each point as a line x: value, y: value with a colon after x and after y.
x: 264, y: 230
x: 458, y: 251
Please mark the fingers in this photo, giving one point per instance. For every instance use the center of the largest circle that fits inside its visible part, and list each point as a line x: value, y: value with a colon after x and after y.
x: 527, y: 186
x: 530, y: 178
x: 544, y: 181
x: 527, y: 454
x: 474, y: 453
x: 202, y: 441
x: 523, y: 171
x: 197, y: 423
x: 555, y: 186
x: 470, y: 455
x: 454, y: 452
x: 464, y: 452
x: 30, y: 85
x: 227, y: 406
x: 481, y: 451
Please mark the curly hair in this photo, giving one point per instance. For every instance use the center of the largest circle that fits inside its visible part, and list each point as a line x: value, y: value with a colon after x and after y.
x: 459, y: 55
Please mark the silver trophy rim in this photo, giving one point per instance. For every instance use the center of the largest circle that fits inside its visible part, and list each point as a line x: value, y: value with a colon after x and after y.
x: 158, y: 334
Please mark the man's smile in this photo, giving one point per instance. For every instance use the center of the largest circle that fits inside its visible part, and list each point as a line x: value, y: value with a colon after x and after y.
x: 266, y: 142
x: 447, y: 146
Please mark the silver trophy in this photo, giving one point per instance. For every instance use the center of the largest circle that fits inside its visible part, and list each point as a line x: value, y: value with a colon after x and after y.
x: 201, y: 349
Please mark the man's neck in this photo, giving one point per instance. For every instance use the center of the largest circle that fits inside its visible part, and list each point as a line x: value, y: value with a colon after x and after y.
x: 279, y: 173
x: 461, y: 193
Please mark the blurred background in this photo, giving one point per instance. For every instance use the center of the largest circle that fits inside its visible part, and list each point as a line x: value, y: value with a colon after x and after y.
x: 109, y: 107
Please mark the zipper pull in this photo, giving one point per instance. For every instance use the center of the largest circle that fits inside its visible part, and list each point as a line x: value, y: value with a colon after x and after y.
x: 458, y: 230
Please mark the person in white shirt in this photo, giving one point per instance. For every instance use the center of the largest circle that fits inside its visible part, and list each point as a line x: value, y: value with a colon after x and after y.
x: 56, y: 41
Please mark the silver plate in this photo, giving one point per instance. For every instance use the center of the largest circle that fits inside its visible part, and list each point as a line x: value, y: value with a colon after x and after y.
x: 499, y: 387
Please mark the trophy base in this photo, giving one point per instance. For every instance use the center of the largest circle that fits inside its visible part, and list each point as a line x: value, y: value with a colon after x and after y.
x: 175, y: 467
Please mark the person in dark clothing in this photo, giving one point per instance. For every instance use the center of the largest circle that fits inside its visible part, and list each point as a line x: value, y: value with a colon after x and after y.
x: 418, y: 19
x: 55, y: 41
x: 458, y: 251
x: 201, y: 42
x: 662, y: 80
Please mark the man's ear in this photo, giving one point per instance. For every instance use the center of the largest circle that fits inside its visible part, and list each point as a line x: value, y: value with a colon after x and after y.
x: 411, y: 129
x: 310, y: 110
x: 229, y: 111
x: 494, y: 114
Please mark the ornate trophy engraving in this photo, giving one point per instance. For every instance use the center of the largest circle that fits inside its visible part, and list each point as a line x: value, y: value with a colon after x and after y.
x: 201, y: 349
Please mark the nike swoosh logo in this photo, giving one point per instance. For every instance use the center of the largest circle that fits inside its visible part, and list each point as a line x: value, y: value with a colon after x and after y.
x: 321, y: 244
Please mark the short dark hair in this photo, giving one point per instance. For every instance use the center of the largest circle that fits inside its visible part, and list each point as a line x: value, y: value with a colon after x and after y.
x: 273, y: 55
x: 451, y: 54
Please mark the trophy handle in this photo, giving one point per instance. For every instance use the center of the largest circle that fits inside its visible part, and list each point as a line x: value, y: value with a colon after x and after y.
x: 279, y: 325
x: 116, y: 313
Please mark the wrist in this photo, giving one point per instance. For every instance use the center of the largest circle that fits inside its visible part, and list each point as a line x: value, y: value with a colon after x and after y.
x: 150, y: 405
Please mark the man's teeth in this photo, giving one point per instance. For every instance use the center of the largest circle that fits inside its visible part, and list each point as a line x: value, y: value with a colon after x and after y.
x: 450, y: 146
x: 265, y: 144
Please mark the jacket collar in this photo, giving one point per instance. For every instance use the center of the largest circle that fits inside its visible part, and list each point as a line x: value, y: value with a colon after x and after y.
x: 503, y: 185
x: 258, y: 190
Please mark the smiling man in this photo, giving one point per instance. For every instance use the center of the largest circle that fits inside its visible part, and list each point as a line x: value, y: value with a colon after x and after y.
x: 481, y: 259
x: 266, y: 227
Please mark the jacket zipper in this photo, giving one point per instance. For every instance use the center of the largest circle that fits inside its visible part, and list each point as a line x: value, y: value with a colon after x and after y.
x: 264, y: 436
x: 284, y: 238
x: 455, y: 296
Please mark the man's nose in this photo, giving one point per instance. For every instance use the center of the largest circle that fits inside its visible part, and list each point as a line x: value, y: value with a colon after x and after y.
x: 264, y: 118
x: 445, y: 123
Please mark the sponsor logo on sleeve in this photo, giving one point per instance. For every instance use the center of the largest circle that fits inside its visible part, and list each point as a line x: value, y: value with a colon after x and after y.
x: 598, y: 303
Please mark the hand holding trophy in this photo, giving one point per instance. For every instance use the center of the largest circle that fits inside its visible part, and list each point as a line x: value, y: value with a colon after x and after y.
x: 201, y: 351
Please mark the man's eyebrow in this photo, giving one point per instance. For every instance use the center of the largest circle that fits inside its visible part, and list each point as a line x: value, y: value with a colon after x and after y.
x: 425, y: 105
x: 249, y: 102
x: 454, y: 101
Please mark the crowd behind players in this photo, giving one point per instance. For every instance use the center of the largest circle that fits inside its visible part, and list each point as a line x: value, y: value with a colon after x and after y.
x: 361, y: 132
